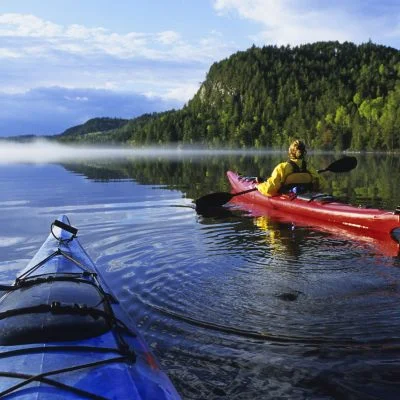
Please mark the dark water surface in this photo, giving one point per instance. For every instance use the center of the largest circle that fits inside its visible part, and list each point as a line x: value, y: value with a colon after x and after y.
x: 234, y: 307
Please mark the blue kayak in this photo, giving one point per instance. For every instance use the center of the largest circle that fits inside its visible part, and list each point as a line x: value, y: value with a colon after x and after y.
x: 64, y: 335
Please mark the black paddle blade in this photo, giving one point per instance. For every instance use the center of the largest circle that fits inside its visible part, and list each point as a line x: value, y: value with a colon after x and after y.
x: 213, y: 200
x: 344, y: 164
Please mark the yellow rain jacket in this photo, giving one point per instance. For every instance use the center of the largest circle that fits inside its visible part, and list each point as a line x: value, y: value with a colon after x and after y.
x: 284, y: 176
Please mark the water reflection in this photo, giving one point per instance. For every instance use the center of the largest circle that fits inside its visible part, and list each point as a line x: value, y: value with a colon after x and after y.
x: 383, y: 243
x: 373, y: 183
x: 370, y: 184
x: 281, y: 238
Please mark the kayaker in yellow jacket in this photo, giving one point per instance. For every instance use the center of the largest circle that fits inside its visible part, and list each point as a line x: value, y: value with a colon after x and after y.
x: 292, y: 175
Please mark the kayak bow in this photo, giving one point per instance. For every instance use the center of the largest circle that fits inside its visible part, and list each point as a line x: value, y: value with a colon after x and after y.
x: 64, y: 335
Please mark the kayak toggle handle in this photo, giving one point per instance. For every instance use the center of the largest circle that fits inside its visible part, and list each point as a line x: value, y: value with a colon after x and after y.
x: 73, y: 231
x: 65, y: 227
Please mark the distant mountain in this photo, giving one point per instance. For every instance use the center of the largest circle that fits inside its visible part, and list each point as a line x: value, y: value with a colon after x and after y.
x: 333, y: 95
x: 91, y: 126
x: 19, y: 138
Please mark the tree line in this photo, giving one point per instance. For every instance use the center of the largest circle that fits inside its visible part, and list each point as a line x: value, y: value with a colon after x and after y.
x: 336, y: 96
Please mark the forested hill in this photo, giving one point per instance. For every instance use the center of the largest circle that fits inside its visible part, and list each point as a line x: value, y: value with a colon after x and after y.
x: 95, y: 125
x: 335, y: 96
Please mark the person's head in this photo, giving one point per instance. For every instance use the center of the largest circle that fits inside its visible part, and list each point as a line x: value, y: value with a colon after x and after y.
x: 297, y: 149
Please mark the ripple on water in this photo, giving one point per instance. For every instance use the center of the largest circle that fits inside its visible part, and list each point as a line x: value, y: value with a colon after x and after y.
x: 246, y: 311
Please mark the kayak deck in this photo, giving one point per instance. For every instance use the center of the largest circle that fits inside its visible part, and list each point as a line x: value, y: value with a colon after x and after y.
x: 320, y: 207
x: 64, y: 335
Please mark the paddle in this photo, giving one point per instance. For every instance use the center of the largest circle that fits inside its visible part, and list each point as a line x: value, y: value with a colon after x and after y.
x: 218, y: 199
x: 344, y: 164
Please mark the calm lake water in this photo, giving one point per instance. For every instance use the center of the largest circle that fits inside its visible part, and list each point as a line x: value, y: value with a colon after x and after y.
x: 234, y: 306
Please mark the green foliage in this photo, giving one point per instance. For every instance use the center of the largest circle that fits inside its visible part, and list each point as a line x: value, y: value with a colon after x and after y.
x: 90, y: 127
x: 335, y: 96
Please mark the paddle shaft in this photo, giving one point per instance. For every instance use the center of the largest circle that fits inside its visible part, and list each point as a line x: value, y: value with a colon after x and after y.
x: 244, y: 192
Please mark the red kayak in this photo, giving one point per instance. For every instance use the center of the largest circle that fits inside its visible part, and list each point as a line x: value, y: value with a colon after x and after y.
x: 319, y: 209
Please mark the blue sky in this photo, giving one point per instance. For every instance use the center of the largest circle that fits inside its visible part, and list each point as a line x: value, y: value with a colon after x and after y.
x: 63, y: 62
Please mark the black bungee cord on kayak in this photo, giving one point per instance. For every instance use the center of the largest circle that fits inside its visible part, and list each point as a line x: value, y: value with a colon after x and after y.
x: 43, y: 378
x: 123, y: 352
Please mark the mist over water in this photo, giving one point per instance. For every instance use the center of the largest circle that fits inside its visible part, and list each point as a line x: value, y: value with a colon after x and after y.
x: 42, y: 151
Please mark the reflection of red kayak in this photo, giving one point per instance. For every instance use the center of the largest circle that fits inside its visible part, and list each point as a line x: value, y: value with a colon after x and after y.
x: 320, y: 210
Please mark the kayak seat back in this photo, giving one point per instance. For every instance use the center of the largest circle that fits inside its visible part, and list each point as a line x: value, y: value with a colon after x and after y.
x: 52, y: 311
x: 320, y: 197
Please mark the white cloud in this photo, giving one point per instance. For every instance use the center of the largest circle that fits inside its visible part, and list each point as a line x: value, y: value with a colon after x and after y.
x: 35, y: 53
x: 8, y: 53
x: 295, y: 22
x: 27, y: 35
x: 181, y: 92
x: 76, y: 98
x: 80, y: 32
x: 27, y: 25
x: 168, y: 37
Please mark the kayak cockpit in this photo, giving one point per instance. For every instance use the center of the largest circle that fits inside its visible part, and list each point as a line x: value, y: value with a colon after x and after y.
x: 56, y: 299
x: 60, y: 309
